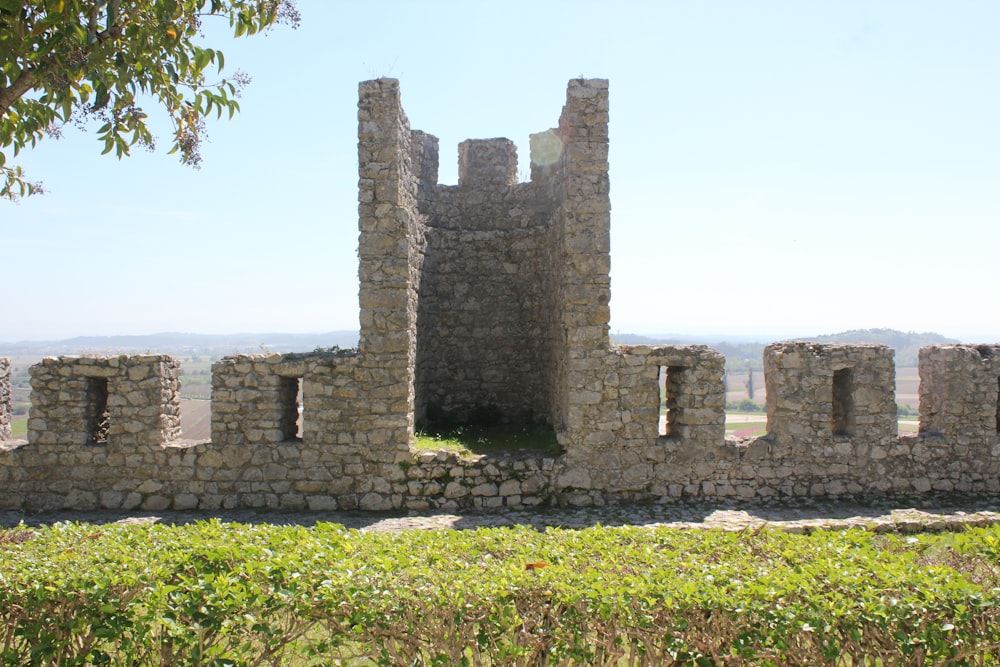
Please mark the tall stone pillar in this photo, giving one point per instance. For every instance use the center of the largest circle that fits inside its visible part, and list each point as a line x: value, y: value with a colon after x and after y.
x: 389, y: 252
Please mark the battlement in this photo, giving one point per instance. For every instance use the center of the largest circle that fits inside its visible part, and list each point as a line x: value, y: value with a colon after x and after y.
x: 488, y: 302
x: 487, y: 163
x: 132, y: 400
x: 831, y: 432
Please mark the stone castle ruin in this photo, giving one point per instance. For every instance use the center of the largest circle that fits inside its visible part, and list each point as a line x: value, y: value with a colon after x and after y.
x: 489, y: 301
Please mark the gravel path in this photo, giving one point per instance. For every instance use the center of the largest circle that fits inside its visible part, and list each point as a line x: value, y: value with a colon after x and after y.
x: 899, y: 516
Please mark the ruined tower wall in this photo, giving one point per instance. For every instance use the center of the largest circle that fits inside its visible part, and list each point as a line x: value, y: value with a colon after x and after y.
x: 581, y: 254
x: 390, y: 250
x: 484, y: 352
x: 484, y: 323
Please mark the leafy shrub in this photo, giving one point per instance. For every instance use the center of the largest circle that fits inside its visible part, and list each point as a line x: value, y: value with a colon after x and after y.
x: 231, y: 594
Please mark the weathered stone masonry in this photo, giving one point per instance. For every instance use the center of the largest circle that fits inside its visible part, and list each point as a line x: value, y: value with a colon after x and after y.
x: 489, y: 301
x: 484, y: 316
x: 132, y: 400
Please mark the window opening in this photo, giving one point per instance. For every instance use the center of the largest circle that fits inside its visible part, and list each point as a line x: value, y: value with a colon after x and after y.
x: 290, y: 396
x: 842, y: 422
x: 98, y: 421
x: 668, y: 381
x: 195, y: 397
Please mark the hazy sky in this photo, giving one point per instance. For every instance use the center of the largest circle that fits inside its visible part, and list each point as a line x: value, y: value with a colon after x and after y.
x: 777, y: 168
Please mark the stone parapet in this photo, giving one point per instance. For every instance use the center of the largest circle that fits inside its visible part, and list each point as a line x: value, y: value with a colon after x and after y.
x: 262, y: 399
x: 128, y: 401
x: 960, y: 391
x: 821, y: 393
x: 487, y: 163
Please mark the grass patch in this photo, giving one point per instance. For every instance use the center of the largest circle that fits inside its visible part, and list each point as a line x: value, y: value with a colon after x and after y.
x: 19, y: 427
x: 739, y: 426
x: 217, y: 593
x: 472, y: 439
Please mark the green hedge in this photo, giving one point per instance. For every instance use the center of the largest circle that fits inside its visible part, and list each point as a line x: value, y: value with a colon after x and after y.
x: 232, y: 594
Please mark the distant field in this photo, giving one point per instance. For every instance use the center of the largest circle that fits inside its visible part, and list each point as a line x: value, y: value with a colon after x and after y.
x: 196, y: 419
x: 745, y: 429
x: 908, y: 386
x: 19, y: 427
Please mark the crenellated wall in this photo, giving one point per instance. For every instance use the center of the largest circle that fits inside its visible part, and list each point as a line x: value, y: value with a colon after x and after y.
x: 488, y: 301
x: 827, y: 436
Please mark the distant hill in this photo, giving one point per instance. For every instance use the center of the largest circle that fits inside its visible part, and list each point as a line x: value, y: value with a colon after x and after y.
x: 741, y: 352
x: 906, y: 344
x: 686, y: 339
x: 744, y: 352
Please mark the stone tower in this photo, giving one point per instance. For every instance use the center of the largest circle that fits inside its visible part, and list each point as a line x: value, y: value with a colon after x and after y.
x: 485, y: 298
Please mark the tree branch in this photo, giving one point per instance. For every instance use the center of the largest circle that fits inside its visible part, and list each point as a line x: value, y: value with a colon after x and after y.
x: 29, y: 77
x: 24, y: 82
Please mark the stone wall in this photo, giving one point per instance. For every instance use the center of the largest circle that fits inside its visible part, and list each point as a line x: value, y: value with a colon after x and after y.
x: 486, y: 301
x: 5, y: 399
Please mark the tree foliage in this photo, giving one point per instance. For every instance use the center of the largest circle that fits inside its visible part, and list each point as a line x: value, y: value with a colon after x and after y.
x: 78, y: 61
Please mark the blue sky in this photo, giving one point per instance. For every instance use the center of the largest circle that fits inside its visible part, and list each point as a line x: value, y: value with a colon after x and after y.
x: 777, y: 168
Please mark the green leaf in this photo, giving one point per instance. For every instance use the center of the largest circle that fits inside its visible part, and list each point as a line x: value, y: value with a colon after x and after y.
x: 201, y: 59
